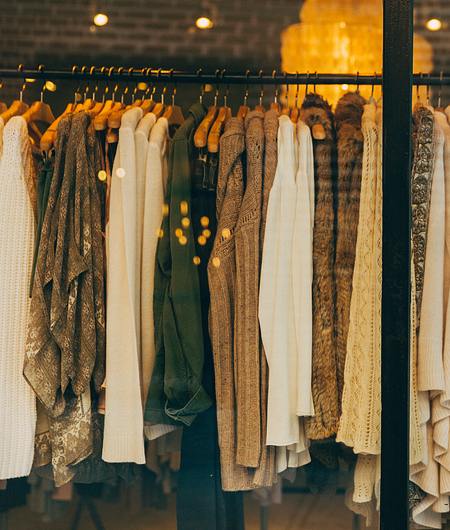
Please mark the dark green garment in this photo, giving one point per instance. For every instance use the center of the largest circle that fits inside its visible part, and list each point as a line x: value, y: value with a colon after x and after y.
x: 43, y: 188
x: 176, y: 394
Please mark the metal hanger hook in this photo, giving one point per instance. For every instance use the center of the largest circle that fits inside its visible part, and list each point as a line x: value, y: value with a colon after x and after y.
x: 307, y: 83
x: 261, y: 94
x: 441, y: 78
x: 275, y: 92
x: 202, y: 85
x: 357, y: 82
x: 247, y: 75
x: 296, y: 91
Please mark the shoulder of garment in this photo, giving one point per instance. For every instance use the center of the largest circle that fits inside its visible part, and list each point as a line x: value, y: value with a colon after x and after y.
x: 146, y: 124
x: 131, y: 118
x: 315, y: 109
x: 195, y: 115
x: 349, y: 110
x: 159, y: 132
x: 254, y: 121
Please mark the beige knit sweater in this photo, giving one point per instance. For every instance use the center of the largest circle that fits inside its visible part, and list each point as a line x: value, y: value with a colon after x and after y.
x: 247, y: 339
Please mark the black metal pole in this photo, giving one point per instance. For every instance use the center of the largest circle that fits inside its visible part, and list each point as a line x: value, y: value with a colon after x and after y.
x: 221, y: 76
x: 397, y: 105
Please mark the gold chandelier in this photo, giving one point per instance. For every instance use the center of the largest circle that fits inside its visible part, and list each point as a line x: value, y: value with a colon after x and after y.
x: 342, y: 36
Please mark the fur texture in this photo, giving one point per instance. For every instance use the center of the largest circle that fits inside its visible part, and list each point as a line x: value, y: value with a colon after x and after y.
x: 350, y: 143
x: 324, y: 370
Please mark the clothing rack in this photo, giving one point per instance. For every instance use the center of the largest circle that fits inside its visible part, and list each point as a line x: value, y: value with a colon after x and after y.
x: 160, y: 75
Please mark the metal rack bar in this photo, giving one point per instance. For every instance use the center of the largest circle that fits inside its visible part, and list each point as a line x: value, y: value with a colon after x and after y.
x: 221, y: 76
x: 397, y: 118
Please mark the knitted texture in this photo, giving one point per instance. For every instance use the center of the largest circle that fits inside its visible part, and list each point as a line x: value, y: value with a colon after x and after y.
x: 18, y: 416
x: 222, y: 282
x: 360, y: 424
x: 324, y: 382
x: 350, y: 149
x: 247, y: 339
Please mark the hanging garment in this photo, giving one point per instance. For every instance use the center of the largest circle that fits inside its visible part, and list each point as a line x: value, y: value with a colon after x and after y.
x: 430, y: 341
x: 426, y: 473
x: 155, y: 185
x: 315, y: 110
x: 123, y: 438
x: 18, y: 403
x: 276, y: 301
x: 421, y: 179
x: 360, y: 424
x: 247, y: 338
x: 441, y: 403
x: 222, y: 281
x: 141, y: 140
x: 66, y: 332
x: 265, y: 474
x: 222, y: 286
x: 302, y: 268
x: 176, y: 394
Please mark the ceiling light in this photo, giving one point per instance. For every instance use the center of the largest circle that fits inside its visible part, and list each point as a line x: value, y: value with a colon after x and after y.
x: 434, y: 24
x: 204, y: 23
x: 100, y: 19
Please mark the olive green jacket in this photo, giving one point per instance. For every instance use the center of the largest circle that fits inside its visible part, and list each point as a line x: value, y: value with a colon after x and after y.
x: 176, y: 394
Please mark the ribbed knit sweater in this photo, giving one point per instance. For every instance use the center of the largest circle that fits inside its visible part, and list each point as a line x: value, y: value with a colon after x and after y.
x: 18, y: 404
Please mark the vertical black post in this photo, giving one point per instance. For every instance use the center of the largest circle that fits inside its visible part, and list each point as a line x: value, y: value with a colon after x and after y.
x: 397, y: 102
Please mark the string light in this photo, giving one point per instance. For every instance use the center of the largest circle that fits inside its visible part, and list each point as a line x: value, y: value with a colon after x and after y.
x: 100, y: 19
x: 204, y: 23
x: 434, y: 24
x: 344, y: 86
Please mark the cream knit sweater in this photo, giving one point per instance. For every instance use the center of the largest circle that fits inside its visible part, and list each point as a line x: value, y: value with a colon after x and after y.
x: 18, y: 404
x: 124, y: 424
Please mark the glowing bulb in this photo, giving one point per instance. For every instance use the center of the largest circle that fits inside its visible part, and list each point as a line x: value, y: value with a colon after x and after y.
x: 50, y: 85
x: 196, y: 260
x: 204, y: 221
x: 185, y: 222
x: 434, y: 24
x: 120, y: 172
x: 344, y: 86
x: 204, y: 23
x: 182, y: 240
x: 216, y: 262
x: 100, y: 19
x: 30, y: 80
x: 142, y: 86
x: 226, y: 233
x: 178, y: 232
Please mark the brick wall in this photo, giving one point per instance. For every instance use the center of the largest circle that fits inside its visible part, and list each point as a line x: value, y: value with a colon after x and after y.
x: 59, y: 33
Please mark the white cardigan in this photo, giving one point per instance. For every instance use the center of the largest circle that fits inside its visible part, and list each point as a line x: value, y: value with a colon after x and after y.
x: 17, y: 399
x: 155, y: 182
x: 302, y: 268
x: 124, y: 424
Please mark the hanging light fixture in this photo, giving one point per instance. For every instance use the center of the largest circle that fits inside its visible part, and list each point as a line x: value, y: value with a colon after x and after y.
x: 100, y: 19
x: 434, y: 24
x: 204, y: 23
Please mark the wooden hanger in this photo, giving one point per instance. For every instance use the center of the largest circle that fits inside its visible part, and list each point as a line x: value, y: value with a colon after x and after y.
x: 201, y: 134
x: 216, y: 130
x: 295, y: 112
x: 3, y: 106
x: 115, y: 118
x: 39, y: 112
x: 17, y: 108
x: 49, y: 136
x: 173, y: 113
x: 275, y: 104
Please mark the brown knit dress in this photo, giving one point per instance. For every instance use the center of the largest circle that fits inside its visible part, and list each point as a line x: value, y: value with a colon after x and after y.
x: 315, y: 110
x: 350, y: 143
x: 247, y: 338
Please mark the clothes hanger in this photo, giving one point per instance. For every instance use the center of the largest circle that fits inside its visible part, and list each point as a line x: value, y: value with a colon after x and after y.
x: 216, y: 130
x: 201, y: 134
x: 39, y: 112
x: 244, y: 108
x: 275, y: 105
x: 147, y: 103
x: 173, y: 113
x: 18, y: 106
x: 49, y: 136
x: 97, y: 105
x: 115, y: 118
x: 317, y: 130
x: 285, y: 111
x: 158, y: 109
x: 295, y: 111
x: 87, y: 103
x: 260, y: 106
x: 110, y: 106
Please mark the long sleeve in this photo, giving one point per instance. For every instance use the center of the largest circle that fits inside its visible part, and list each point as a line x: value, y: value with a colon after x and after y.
x: 430, y: 367
x: 155, y: 174
x: 124, y: 426
x: 302, y: 269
